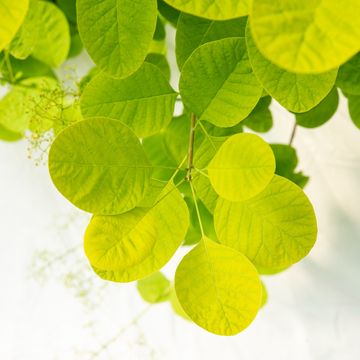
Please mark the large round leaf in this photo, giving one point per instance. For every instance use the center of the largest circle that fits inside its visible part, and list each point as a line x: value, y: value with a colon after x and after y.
x: 99, y: 165
x: 306, y: 36
x: 243, y: 166
x: 144, y: 101
x: 212, y: 9
x: 275, y: 229
x: 296, y: 92
x: 117, y: 33
x: 218, y: 84
x: 218, y: 288
x: 193, y: 31
x: 133, y: 245
x: 12, y: 15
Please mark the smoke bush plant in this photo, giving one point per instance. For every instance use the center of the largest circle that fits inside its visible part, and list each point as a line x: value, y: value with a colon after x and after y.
x: 155, y: 182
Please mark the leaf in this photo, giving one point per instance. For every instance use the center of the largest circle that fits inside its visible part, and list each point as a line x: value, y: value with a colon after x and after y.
x: 233, y: 91
x: 12, y: 16
x: 218, y: 288
x: 69, y: 9
x: 8, y: 135
x: 194, y: 31
x: 30, y: 68
x: 354, y: 109
x: 53, y: 44
x: 161, y: 62
x: 260, y: 119
x: 321, y: 113
x: 176, y: 306
x: 117, y: 33
x: 155, y: 288
x: 242, y: 167
x: 348, y: 79
x: 286, y: 163
x: 213, y: 9
x: 100, y: 166
x: 275, y: 229
x: 306, y: 37
x: 168, y: 13
x: 144, y: 101
x: 265, y: 295
x: 135, y: 244
x: 296, y: 92
x: 27, y: 37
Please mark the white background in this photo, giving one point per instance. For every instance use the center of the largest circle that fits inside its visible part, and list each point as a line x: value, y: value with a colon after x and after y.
x: 313, y: 311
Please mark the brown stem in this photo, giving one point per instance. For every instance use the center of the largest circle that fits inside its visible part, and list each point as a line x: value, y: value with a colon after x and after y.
x: 293, y: 133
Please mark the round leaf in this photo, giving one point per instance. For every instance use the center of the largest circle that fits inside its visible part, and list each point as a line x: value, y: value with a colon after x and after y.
x: 296, y: 92
x: 233, y: 91
x: 144, y: 101
x: 348, y: 78
x: 218, y: 288
x: 117, y: 33
x: 242, y: 168
x: 135, y: 244
x: 306, y: 36
x: 154, y: 288
x: 275, y: 229
x: 212, y: 9
x: 354, y: 109
x: 99, y: 165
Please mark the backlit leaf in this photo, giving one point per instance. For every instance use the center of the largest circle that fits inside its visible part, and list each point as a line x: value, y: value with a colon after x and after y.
x: 154, y: 288
x: 348, y: 78
x: 260, y: 119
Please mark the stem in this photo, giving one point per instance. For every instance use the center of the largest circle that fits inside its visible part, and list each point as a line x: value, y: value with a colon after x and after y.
x: 9, y: 68
x: 197, y: 209
x: 191, y: 147
x: 293, y: 133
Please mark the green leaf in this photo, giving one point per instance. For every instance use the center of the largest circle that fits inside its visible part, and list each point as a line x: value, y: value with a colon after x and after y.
x: 155, y: 288
x: 275, y: 229
x: 69, y: 116
x: 213, y: 9
x: 135, y: 244
x: 321, y: 113
x: 218, y: 288
x: 28, y: 35
x: 354, y: 109
x: 286, y: 163
x: 144, y: 101
x: 8, y: 135
x: 242, y: 167
x: 168, y: 12
x: 12, y: 16
x: 69, y: 9
x: 306, y: 36
x: 100, y: 166
x: 296, y: 92
x: 53, y: 43
x: 176, y: 306
x: 30, y: 68
x: 233, y: 91
x: 265, y: 296
x: 194, y: 31
x: 117, y: 33
x: 161, y: 62
x: 348, y: 79
x: 260, y: 119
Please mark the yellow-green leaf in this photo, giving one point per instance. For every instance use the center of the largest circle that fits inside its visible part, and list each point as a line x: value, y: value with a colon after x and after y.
x: 155, y: 288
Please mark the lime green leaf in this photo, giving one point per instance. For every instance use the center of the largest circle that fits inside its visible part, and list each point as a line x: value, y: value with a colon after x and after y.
x: 160, y: 32
x: 286, y: 163
x: 30, y: 67
x: 76, y: 46
x: 8, y: 135
x: 168, y: 12
x: 161, y: 62
x: 117, y: 33
x: 12, y: 16
x: 144, y: 101
x: 275, y: 229
x: 155, y: 288
x: 176, y: 306
x: 194, y: 31
x: 321, y: 113
x: 296, y: 92
x: 348, y: 79
x: 260, y: 119
x: 218, y: 288
x: 354, y: 109
x: 242, y: 167
x: 135, y: 244
x: 306, y: 36
x: 69, y: 116
x: 213, y: 9
x: 265, y: 295
x: 270, y: 271
x: 100, y: 166
x: 233, y: 91
x: 28, y: 35
x: 69, y: 9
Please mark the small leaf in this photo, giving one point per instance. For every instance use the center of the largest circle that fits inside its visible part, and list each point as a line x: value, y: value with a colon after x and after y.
x: 242, y: 167
x: 233, y: 91
x: 8, y: 135
x: 144, y: 101
x: 260, y: 119
x: 117, y: 33
x: 218, y: 288
x: 161, y: 62
x: 275, y: 229
x: 100, y: 166
x: 354, y: 109
x: 135, y: 244
x: 155, y: 288
x: 348, y: 79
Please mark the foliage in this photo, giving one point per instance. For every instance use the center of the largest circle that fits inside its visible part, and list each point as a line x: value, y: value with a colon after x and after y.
x: 155, y: 181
